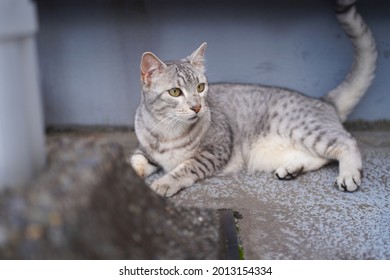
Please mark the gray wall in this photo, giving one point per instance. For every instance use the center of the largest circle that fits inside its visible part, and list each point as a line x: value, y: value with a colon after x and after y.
x: 90, y: 50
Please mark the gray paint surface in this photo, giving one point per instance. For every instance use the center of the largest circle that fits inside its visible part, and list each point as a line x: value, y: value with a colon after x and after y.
x: 90, y: 51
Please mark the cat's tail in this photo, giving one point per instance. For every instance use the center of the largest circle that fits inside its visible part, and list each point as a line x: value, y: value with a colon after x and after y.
x: 346, y: 95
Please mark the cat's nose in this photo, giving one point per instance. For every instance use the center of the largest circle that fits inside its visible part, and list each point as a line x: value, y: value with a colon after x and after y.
x: 196, y: 108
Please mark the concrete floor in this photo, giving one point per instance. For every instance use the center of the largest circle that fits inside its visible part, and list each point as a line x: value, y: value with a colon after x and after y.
x: 306, y: 218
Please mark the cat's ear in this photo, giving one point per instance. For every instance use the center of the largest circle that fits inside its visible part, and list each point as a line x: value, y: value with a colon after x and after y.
x: 197, y: 58
x: 149, y: 65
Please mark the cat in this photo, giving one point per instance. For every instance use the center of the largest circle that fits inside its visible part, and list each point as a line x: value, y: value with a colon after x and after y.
x: 192, y: 130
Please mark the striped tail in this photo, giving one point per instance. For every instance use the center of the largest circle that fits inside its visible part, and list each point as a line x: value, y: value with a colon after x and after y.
x: 346, y: 95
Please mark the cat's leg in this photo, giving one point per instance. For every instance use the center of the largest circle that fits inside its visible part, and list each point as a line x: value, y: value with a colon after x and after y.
x: 203, y: 165
x: 208, y: 159
x: 301, y: 163
x: 338, y: 144
x: 174, y: 181
x: 236, y: 161
x: 141, y: 165
x: 350, y: 164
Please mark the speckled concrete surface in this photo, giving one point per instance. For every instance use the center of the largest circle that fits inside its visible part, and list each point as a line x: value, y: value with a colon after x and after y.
x: 306, y: 218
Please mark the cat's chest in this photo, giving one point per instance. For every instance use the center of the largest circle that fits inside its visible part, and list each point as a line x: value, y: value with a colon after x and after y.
x: 168, y: 153
x: 170, y: 159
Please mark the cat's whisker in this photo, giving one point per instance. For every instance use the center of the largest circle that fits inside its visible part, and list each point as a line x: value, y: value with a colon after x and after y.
x: 160, y: 123
x: 171, y: 124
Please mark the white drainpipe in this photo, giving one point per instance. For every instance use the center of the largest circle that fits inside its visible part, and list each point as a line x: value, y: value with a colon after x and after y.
x: 22, y: 141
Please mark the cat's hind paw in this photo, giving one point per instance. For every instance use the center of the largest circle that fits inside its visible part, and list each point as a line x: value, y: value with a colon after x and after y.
x: 349, y: 182
x: 285, y: 173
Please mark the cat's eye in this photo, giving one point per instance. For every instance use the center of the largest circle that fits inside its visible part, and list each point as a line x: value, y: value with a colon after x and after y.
x: 200, y: 87
x: 175, y: 92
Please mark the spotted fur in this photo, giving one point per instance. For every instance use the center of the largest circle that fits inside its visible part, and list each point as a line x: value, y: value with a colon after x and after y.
x: 222, y: 128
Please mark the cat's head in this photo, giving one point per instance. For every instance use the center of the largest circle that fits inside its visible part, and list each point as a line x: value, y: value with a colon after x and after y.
x: 175, y: 89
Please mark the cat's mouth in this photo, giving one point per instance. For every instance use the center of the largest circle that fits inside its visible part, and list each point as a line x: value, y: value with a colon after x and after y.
x: 189, y: 119
x: 193, y: 118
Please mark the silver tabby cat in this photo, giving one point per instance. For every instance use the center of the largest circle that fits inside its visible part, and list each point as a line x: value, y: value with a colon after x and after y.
x: 193, y: 130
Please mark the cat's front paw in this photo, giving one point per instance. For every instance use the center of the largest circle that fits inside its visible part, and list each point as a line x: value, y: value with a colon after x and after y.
x: 165, y: 187
x: 349, y: 182
x: 141, y: 165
